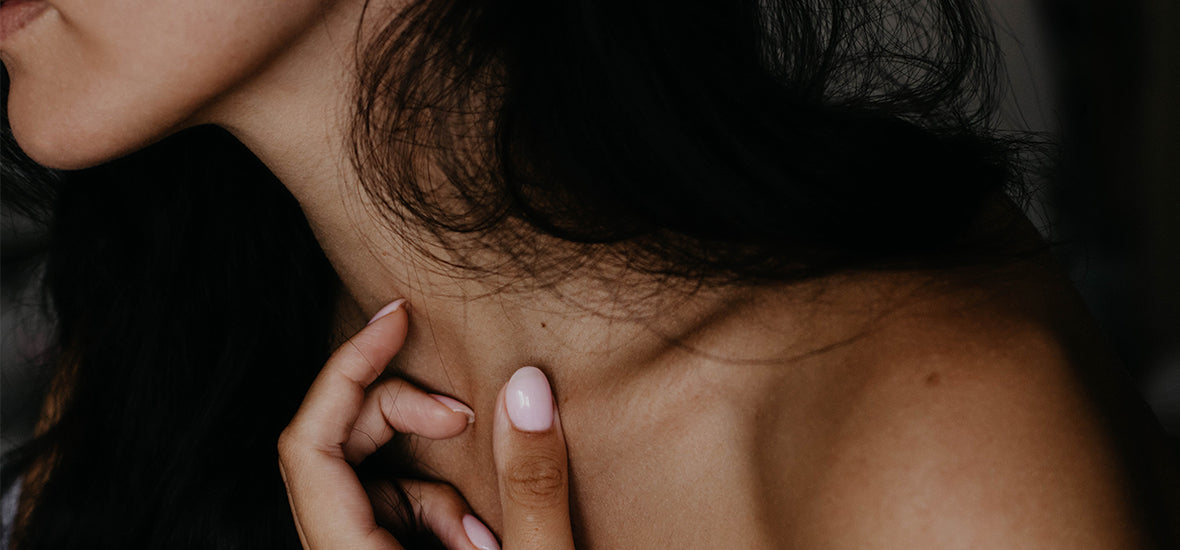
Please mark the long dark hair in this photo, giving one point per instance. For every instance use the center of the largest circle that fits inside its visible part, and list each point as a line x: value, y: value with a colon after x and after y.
x: 738, y: 141
x: 732, y: 141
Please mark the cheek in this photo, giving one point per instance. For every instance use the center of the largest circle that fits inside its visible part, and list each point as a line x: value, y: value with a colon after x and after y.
x: 92, y: 81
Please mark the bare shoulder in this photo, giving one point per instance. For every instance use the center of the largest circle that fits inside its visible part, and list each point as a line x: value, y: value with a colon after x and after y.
x: 959, y: 420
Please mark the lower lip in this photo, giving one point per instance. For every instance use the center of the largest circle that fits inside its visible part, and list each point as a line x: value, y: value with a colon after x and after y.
x: 15, y: 14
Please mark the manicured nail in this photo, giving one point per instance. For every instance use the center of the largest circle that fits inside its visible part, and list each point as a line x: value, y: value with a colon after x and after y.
x: 529, y: 400
x: 456, y: 406
x: 392, y: 307
x: 478, y: 534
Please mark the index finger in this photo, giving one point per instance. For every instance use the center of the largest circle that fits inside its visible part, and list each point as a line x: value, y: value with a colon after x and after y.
x: 531, y: 460
x: 311, y: 458
x: 339, y: 390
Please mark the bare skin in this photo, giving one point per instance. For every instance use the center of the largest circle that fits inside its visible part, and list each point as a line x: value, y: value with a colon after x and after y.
x: 944, y: 422
x: 920, y: 410
x: 862, y: 411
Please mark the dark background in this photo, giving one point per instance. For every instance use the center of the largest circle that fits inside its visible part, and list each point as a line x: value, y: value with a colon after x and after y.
x: 1100, y: 78
x: 1116, y: 199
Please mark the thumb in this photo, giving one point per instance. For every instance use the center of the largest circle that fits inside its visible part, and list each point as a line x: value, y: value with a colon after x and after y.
x: 531, y: 463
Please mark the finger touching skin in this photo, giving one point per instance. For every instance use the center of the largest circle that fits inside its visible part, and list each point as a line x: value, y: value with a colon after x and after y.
x: 342, y: 419
x: 531, y: 463
x: 334, y: 400
x: 439, y: 507
x: 395, y: 405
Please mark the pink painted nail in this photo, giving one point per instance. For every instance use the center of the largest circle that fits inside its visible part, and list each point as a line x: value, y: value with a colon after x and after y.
x: 529, y: 400
x: 478, y: 534
x: 456, y: 406
x: 390, y: 308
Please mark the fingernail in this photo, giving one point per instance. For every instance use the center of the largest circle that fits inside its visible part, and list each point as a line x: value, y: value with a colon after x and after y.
x: 456, y: 406
x: 529, y: 400
x: 478, y: 534
x: 390, y: 308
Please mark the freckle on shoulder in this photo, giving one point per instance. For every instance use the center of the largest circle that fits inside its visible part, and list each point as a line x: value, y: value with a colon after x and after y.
x: 963, y: 424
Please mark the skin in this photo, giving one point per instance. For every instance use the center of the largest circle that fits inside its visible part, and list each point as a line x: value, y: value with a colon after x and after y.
x: 348, y: 414
x: 902, y: 410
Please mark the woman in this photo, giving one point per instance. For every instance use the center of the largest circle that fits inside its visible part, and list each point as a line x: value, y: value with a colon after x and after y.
x: 761, y: 252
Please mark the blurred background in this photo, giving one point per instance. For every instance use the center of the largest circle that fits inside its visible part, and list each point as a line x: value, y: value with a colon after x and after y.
x: 1101, y: 78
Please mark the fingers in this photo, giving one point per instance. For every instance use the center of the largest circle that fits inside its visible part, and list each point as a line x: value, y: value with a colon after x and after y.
x: 335, y: 397
x: 330, y: 506
x: 393, y: 406
x: 440, y: 508
x: 530, y: 457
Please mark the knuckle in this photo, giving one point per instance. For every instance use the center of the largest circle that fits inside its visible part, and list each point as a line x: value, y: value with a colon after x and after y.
x: 391, y: 406
x: 448, y: 499
x: 446, y: 493
x: 535, y: 480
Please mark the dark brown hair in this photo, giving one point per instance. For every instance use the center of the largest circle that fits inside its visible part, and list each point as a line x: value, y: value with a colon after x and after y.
x: 713, y: 140
x: 723, y: 140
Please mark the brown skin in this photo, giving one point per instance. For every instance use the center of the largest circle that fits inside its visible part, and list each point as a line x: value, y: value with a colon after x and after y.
x: 900, y: 411
x: 955, y: 425
x: 350, y: 411
x: 948, y: 420
x: 946, y: 414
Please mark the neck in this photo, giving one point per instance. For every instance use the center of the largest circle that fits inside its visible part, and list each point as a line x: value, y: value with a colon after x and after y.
x: 467, y: 335
x: 605, y: 358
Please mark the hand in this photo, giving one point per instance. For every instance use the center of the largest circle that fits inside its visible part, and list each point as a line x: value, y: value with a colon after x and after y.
x: 343, y: 420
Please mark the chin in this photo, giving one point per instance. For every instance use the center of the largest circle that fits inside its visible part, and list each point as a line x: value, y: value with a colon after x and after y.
x: 50, y: 154
x: 61, y: 142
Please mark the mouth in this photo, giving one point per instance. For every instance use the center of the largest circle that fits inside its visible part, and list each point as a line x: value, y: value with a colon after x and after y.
x: 15, y: 14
